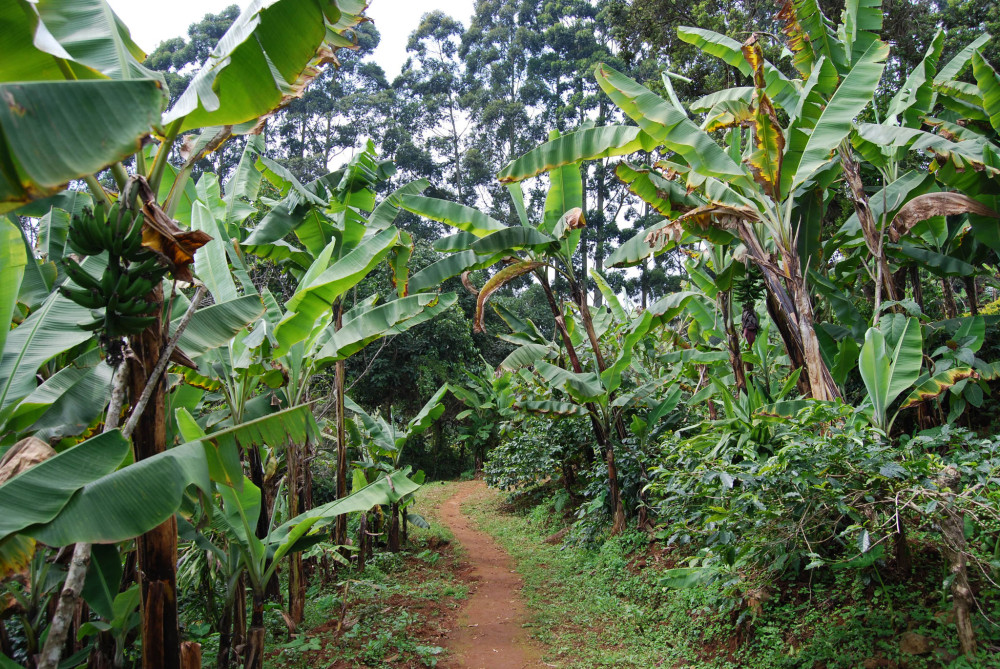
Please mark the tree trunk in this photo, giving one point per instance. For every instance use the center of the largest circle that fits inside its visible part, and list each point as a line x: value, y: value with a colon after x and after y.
x: 223, y: 659
x: 190, y: 655
x: 600, y: 434
x: 253, y: 656
x: 393, y: 540
x: 340, y: 531
x: 157, y: 549
x: 918, y: 288
x: 724, y: 301
x: 363, y: 541
x: 296, y: 577
x: 972, y: 293
x: 950, y: 308
x: 963, y: 603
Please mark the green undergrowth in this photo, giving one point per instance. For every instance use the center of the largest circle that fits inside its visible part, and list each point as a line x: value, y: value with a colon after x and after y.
x: 601, y: 605
x: 397, y: 607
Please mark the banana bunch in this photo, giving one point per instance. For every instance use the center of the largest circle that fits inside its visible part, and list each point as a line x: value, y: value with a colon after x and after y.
x: 130, y: 274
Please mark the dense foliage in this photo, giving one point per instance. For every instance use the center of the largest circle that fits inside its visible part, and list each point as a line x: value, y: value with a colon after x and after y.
x: 716, y: 275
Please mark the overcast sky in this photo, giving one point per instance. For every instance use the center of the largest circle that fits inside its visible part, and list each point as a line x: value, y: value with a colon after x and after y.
x: 395, y: 20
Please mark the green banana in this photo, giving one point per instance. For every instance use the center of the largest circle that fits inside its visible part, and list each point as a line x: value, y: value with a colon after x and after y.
x: 133, y: 307
x: 89, y: 299
x: 81, y: 277
x: 122, y: 326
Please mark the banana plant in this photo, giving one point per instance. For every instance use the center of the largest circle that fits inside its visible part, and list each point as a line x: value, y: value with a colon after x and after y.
x: 381, y: 444
x: 489, y: 400
x: 766, y: 184
x: 890, y: 363
x: 259, y: 557
x: 344, y: 235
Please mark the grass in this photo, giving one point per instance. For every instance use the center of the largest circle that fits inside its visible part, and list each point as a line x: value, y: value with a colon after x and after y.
x: 602, y: 607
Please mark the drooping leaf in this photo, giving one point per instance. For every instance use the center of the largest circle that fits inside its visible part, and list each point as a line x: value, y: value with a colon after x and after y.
x: 451, y: 213
x: 55, y: 131
x: 496, y: 282
x: 936, y: 385
x: 128, y: 502
x: 669, y: 127
x: 39, y: 494
x: 267, y: 57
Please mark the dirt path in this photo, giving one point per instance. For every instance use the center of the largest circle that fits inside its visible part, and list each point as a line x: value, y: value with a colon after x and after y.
x: 489, y: 633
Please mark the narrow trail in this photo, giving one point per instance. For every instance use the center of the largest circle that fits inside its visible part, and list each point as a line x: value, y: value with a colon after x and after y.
x: 489, y: 634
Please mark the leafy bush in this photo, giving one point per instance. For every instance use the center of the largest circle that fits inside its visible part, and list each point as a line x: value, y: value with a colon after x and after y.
x: 827, y: 491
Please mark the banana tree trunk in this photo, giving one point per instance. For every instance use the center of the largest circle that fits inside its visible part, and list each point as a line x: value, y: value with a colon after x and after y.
x: 253, y: 657
x: 296, y: 577
x: 724, y: 300
x: 950, y: 307
x: 363, y: 541
x: 874, y: 238
x: 157, y: 549
x: 394, y: 528
x: 618, y: 509
x: 792, y: 313
x: 340, y: 531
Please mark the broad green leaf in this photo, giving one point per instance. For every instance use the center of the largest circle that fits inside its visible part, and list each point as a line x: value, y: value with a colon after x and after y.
x: 46, y: 333
x: 937, y: 263
x: 989, y: 86
x: 386, y: 490
x: 915, y: 97
x: 852, y: 96
x: 875, y: 368
x: 935, y: 385
x: 371, y: 323
x: 574, y: 147
x: 609, y: 296
x: 508, y: 240
x: 612, y: 376
x: 93, y: 35
x: 39, y: 494
x: 527, y: 355
x: 56, y: 131
x: 582, y: 387
x: 432, y: 276
x: 551, y: 408
x: 953, y: 68
x: 451, y: 213
x: 67, y: 402
x: 669, y: 127
x: 213, y: 326
x: 316, y: 294
x: 13, y: 258
x: 385, y: 213
x: 906, y: 358
x: 565, y: 193
x: 266, y: 57
x: 430, y: 412
x: 210, y: 262
x: 725, y: 48
x: 128, y: 502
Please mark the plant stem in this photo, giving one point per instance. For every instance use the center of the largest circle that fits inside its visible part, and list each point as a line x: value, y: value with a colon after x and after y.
x: 161, y: 364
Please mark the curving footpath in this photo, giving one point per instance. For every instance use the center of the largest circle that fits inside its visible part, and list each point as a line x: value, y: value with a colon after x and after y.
x: 490, y: 633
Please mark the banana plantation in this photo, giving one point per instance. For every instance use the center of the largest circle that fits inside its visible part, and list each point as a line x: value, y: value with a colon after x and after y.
x: 707, y: 294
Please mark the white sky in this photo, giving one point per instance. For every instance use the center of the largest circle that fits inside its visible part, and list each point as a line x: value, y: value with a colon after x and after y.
x: 395, y: 20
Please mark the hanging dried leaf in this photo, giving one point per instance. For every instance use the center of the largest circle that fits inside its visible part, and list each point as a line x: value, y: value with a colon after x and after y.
x: 496, y: 283
x: 930, y: 205
x: 469, y: 286
x: 162, y: 235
